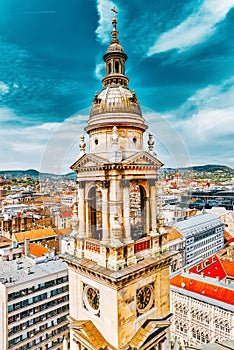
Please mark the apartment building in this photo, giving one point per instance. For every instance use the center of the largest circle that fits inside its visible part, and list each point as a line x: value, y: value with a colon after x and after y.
x: 202, y: 301
x: 204, y: 236
x: 34, y: 303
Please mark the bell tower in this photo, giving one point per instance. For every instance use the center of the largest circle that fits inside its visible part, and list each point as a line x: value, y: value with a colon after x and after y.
x: 119, y: 277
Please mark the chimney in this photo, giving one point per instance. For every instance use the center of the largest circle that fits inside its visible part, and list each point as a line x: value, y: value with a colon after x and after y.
x: 53, y: 252
x: 26, y: 246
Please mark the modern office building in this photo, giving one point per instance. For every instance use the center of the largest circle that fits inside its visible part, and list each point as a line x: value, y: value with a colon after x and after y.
x: 34, y: 303
x: 204, y: 236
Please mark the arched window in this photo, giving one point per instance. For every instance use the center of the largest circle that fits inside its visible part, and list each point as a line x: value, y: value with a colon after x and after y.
x: 198, y: 335
x: 227, y: 327
x: 95, y: 213
x: 222, y: 326
x: 207, y: 338
x: 137, y: 211
x: 177, y: 325
x: 202, y: 337
x: 109, y: 68
x: 193, y: 333
x: 116, y: 67
x: 216, y: 323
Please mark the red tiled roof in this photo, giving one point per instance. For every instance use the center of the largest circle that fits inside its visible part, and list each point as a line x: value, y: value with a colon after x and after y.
x: 35, y: 234
x: 228, y: 267
x: 227, y: 235
x: 37, y: 250
x: 203, y: 288
x: 66, y: 214
x: 213, y: 267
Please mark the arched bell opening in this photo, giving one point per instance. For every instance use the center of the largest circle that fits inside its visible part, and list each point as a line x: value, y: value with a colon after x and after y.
x: 95, y: 213
x: 137, y: 212
x: 109, y: 68
x: 116, y: 67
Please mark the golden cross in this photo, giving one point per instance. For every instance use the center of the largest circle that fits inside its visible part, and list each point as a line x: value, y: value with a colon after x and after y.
x: 114, y: 10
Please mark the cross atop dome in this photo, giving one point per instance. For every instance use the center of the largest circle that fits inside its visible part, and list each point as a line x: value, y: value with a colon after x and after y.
x: 115, y: 11
x: 114, y: 31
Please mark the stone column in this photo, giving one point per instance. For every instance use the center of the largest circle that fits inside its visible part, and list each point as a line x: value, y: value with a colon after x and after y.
x: 153, y: 207
x: 105, y: 215
x: 87, y: 217
x: 114, y: 189
x: 147, y: 214
x: 81, y: 210
x: 126, y: 213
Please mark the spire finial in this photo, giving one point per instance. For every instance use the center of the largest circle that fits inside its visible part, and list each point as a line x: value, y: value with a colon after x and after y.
x: 114, y: 22
x: 82, y: 145
x: 115, y: 11
x: 151, y: 142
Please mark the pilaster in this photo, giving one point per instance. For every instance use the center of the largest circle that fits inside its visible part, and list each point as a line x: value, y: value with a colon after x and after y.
x: 81, y: 210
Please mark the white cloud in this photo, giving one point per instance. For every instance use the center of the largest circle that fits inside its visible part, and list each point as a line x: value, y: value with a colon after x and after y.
x: 202, y: 129
x: 51, y: 147
x: 207, y: 125
x: 4, y: 88
x: 7, y: 115
x: 105, y: 18
x: 169, y: 143
x: 100, y: 71
x: 195, y: 29
x: 213, y: 97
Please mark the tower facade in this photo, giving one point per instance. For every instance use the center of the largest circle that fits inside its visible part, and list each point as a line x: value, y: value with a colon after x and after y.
x: 119, y: 277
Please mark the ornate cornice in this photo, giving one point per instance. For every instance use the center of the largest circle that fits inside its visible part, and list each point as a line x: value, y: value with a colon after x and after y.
x: 118, y: 279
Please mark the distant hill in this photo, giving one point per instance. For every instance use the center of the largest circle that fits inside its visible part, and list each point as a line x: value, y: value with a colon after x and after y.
x: 209, y: 168
x: 34, y: 174
x: 72, y: 175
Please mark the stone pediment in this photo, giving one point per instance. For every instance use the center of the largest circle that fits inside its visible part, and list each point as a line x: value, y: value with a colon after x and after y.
x: 86, y: 332
x: 88, y: 161
x: 143, y: 159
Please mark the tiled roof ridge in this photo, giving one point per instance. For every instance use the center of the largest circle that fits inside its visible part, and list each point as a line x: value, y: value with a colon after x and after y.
x: 211, y: 290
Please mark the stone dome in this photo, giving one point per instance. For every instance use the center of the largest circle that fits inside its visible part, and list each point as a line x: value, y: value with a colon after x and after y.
x: 115, y: 99
x: 115, y: 104
x: 115, y: 47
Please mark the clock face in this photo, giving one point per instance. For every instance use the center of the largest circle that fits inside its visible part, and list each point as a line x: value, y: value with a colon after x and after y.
x: 144, y: 298
x: 91, y: 299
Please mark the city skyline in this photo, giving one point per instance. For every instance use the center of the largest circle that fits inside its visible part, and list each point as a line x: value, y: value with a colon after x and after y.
x: 180, y: 65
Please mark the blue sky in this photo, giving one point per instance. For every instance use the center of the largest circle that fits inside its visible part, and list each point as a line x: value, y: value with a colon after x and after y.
x: 180, y: 63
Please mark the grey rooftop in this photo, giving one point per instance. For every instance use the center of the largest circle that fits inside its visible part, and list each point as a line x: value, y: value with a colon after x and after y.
x: 27, y: 269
